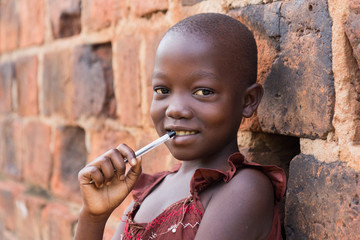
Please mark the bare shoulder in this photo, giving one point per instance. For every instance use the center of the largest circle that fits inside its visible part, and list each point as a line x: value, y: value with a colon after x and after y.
x: 244, y: 207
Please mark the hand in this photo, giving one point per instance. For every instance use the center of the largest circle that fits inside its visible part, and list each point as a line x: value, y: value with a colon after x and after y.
x: 111, y: 184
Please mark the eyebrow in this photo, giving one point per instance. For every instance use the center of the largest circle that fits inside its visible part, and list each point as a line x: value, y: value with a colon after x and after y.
x: 193, y: 75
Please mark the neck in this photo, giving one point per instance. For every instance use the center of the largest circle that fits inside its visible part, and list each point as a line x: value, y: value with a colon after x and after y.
x: 214, y: 161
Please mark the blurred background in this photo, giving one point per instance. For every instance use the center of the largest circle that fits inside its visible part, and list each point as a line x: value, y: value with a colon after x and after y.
x: 75, y: 81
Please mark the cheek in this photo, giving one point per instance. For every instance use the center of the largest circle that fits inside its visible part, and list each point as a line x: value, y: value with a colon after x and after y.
x: 156, y: 112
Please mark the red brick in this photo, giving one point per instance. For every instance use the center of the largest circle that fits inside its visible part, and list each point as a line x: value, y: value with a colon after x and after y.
x: 99, y: 14
x: 93, y: 81
x: 70, y: 157
x: 11, y: 133
x: 127, y: 86
x: 65, y: 17
x: 152, y: 39
x: 105, y: 139
x: 57, y: 85
x: 155, y: 160
x: 36, y: 155
x: 8, y: 193
x: 9, y: 26
x: 57, y: 222
x: 27, y: 88
x: 142, y: 8
x: 28, y: 216
x: 7, y: 77
x: 32, y: 22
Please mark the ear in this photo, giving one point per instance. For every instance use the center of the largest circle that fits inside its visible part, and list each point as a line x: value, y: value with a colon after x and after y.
x: 252, y: 98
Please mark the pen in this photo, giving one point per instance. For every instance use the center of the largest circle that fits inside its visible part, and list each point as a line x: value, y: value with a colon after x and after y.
x: 150, y: 146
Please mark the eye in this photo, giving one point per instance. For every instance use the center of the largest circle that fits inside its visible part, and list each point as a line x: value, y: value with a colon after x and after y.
x: 161, y: 90
x: 204, y: 92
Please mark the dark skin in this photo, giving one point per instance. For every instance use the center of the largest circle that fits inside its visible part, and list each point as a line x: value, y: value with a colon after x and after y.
x: 196, y: 95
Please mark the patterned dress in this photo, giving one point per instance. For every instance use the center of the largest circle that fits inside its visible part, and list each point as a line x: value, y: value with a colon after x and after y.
x: 181, y: 220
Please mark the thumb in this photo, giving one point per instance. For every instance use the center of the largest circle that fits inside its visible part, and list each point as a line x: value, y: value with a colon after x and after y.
x: 133, y: 173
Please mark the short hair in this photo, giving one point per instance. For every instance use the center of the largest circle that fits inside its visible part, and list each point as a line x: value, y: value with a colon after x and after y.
x: 228, y: 32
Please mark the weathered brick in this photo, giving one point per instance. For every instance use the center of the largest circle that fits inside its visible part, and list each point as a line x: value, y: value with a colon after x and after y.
x: 127, y: 85
x: 157, y: 159
x: 70, y: 157
x: 190, y: 2
x: 27, y: 87
x: 32, y: 22
x: 9, y: 26
x: 352, y: 28
x: 100, y: 14
x: 146, y: 8
x: 299, y: 89
x: 36, y: 156
x: 57, y: 84
x: 57, y: 222
x: 322, y: 200
x: 7, y: 77
x: 28, y: 216
x: 105, y: 139
x: 8, y: 193
x: 152, y: 40
x: 93, y: 81
x: 65, y: 17
x: 11, y: 132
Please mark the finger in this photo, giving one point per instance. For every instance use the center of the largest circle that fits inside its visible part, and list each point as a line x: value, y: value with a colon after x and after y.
x: 96, y: 176
x: 134, y: 173
x: 117, y: 161
x: 107, y: 169
x: 128, y: 153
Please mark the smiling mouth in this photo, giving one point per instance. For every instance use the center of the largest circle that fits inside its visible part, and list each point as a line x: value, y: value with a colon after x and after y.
x: 184, y: 132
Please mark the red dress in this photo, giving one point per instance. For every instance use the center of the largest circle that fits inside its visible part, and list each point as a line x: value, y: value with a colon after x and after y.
x: 181, y: 220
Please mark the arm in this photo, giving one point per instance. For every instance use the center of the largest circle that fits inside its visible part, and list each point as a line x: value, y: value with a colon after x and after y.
x: 240, y: 209
x: 110, y: 188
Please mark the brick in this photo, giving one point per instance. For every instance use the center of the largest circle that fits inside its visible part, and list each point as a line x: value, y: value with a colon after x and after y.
x: 146, y: 8
x: 93, y: 81
x: 301, y: 36
x: 155, y: 160
x: 9, y: 191
x: 9, y: 26
x: 57, y: 88
x: 104, y: 139
x: 27, y: 87
x: 28, y: 216
x: 352, y: 28
x: 7, y: 78
x: 152, y: 39
x: 100, y: 14
x: 36, y: 155
x: 322, y: 200
x: 127, y: 85
x: 65, y: 17
x: 11, y: 132
x: 57, y: 222
x: 70, y: 157
x: 32, y: 23
x: 190, y: 2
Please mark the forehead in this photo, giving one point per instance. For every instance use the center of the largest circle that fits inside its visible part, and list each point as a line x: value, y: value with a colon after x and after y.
x: 190, y: 54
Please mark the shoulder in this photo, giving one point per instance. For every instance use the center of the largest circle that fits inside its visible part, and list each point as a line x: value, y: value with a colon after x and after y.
x: 244, y: 206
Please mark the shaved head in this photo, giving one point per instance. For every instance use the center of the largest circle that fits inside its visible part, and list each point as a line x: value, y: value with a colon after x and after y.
x: 229, y: 36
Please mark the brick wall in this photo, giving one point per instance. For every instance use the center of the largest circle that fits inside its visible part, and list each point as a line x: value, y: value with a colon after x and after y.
x: 75, y: 80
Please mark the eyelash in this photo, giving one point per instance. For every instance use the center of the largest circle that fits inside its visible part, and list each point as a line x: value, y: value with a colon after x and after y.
x: 198, y: 92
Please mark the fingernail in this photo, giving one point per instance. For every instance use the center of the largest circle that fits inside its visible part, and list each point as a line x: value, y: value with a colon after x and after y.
x: 122, y: 177
x: 133, y: 161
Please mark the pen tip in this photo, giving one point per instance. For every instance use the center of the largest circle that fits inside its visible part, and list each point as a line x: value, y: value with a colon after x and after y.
x: 172, y: 134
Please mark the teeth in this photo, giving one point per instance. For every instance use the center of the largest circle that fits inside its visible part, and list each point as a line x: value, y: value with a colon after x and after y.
x: 182, y: 133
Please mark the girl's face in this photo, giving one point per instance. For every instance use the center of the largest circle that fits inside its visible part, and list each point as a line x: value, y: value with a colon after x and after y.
x: 195, y: 95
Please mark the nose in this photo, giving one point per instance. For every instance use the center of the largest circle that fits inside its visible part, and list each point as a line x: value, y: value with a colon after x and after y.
x: 179, y: 108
